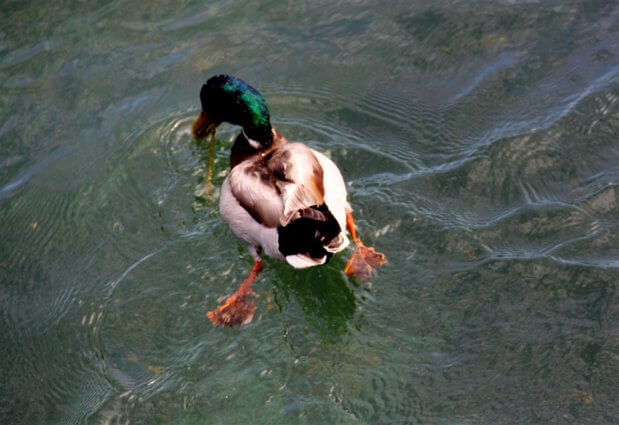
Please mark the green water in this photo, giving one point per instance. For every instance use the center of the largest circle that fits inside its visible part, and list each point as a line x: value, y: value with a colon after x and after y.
x: 480, y: 142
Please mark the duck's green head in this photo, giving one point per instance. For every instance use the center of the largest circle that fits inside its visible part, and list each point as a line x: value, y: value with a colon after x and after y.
x: 226, y: 98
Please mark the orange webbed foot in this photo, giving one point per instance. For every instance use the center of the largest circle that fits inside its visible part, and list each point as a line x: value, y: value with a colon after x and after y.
x: 365, y: 259
x: 237, y: 310
x: 363, y: 262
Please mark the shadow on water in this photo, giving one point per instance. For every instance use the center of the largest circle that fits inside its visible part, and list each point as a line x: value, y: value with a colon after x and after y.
x: 323, y: 293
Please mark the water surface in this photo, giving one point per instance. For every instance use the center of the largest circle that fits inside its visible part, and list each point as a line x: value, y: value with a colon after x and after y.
x: 480, y: 142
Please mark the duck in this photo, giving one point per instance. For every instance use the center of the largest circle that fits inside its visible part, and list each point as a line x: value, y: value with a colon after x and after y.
x: 284, y: 199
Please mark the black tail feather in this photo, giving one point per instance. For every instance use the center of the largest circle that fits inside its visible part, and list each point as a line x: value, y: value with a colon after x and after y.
x: 310, y: 233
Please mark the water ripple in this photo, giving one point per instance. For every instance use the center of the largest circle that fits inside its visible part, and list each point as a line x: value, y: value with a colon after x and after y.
x: 480, y: 148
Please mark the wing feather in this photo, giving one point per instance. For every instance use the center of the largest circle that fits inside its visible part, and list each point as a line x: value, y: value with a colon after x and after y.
x: 299, y: 176
x: 254, y: 191
x: 274, y: 189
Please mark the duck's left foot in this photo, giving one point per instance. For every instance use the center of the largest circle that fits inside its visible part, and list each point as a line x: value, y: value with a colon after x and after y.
x: 363, y: 262
x: 237, y: 310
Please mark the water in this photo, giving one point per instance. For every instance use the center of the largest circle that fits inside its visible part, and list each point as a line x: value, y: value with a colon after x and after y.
x: 480, y: 143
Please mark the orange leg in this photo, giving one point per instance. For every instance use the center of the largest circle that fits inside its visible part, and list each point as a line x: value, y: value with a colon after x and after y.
x: 238, y: 309
x: 350, y: 223
x: 365, y: 259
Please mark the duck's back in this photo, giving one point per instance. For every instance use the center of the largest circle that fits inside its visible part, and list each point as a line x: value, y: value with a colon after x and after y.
x: 291, y: 200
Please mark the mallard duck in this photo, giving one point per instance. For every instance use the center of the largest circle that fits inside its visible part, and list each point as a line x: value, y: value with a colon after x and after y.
x: 284, y: 199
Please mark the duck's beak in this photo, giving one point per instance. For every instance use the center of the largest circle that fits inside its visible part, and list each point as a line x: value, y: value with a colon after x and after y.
x: 203, y: 126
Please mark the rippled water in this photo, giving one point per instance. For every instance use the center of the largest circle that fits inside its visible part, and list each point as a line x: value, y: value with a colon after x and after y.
x: 480, y: 140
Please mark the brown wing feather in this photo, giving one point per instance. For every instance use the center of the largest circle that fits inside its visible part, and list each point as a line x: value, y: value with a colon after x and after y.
x: 299, y: 178
x: 255, y: 189
x: 274, y: 188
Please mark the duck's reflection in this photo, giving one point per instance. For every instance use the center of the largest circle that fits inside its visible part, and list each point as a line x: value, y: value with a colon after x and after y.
x: 323, y: 293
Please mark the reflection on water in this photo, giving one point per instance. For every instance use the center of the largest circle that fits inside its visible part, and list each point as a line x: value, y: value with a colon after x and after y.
x: 479, y: 141
x: 324, y: 296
